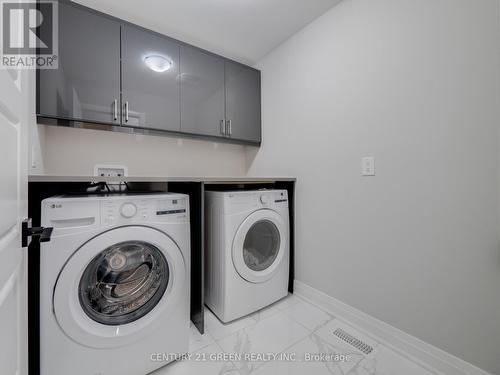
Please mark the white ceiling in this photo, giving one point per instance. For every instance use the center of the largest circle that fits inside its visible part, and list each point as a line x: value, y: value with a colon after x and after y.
x: 244, y: 30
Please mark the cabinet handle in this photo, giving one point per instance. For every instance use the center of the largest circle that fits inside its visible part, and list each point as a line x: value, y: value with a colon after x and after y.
x: 229, y: 130
x: 126, y: 111
x: 115, y: 110
x: 223, y: 127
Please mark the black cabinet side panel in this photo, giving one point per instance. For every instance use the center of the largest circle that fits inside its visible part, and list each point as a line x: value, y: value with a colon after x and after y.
x: 196, y: 193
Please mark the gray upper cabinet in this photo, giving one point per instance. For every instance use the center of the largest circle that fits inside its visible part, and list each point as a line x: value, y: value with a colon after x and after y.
x: 114, y: 73
x: 150, y: 80
x: 202, y: 92
x: 243, y: 102
x: 87, y: 84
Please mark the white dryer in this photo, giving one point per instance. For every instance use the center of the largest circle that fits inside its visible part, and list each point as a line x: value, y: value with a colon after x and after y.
x: 114, y: 284
x: 247, y: 251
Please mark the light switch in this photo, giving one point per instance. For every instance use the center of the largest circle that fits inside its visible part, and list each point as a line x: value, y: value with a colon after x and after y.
x: 368, y: 166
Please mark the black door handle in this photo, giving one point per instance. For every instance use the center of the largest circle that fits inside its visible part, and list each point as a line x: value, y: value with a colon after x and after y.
x: 28, y: 232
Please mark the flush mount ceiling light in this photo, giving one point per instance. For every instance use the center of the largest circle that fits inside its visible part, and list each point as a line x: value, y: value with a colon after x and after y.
x: 158, y: 63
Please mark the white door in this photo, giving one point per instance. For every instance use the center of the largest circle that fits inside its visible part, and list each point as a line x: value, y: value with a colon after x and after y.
x: 14, y: 117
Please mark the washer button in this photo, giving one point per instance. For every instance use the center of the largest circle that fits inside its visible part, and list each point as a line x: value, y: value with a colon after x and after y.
x: 263, y: 199
x: 128, y: 210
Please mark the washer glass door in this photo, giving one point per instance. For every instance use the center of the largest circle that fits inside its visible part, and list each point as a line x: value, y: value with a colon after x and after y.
x: 119, y: 286
x: 123, y: 283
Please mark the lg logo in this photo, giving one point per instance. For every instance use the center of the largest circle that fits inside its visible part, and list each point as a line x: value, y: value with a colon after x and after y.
x: 29, y: 33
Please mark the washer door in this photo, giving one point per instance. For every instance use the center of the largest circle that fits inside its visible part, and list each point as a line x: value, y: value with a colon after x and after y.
x: 117, y: 287
x: 259, y: 246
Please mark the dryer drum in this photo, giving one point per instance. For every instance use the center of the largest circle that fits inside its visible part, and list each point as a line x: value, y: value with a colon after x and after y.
x: 123, y: 283
x: 261, y: 246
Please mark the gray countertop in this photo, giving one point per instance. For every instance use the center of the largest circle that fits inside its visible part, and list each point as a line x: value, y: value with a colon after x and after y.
x: 208, y: 180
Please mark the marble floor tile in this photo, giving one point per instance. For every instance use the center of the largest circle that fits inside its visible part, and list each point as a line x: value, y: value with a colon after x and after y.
x: 266, y: 312
x: 388, y: 362
x: 268, y: 336
x: 276, y: 307
x: 336, y: 359
x: 301, y: 337
x: 286, y: 302
x: 292, y: 368
x: 308, y: 315
x: 207, y: 361
x: 197, y: 340
x: 219, y: 330
x: 311, y: 356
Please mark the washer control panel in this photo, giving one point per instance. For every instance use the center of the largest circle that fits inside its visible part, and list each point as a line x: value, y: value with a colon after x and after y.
x: 159, y: 208
x: 171, y: 207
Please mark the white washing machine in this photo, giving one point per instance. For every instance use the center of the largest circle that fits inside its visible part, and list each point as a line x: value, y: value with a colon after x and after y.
x: 114, y: 284
x: 247, y: 251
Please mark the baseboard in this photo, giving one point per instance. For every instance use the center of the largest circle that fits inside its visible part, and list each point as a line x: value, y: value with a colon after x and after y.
x: 416, y: 350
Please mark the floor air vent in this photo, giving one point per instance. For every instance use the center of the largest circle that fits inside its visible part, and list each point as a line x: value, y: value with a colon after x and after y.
x: 353, y: 341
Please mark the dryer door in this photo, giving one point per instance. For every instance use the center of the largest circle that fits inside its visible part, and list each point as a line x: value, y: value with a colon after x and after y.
x: 260, y: 246
x: 118, y: 286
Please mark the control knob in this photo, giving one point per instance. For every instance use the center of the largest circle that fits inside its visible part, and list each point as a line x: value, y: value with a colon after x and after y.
x: 128, y: 210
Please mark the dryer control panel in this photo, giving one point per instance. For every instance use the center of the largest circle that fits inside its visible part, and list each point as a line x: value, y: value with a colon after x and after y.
x: 237, y: 201
x: 272, y: 198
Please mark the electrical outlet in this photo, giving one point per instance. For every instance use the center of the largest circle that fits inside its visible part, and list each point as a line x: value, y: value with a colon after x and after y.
x: 368, y: 166
x: 110, y: 171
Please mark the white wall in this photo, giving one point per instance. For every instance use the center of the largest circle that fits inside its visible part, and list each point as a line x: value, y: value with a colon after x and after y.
x: 73, y: 151
x: 415, y: 84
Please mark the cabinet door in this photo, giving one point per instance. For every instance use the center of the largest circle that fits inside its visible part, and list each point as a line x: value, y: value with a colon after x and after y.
x: 150, y: 84
x: 86, y: 86
x: 243, y: 111
x: 202, y: 92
